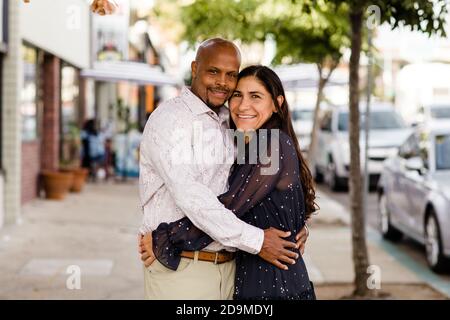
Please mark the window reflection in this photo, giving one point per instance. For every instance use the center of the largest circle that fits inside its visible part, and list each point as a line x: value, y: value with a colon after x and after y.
x: 28, y: 103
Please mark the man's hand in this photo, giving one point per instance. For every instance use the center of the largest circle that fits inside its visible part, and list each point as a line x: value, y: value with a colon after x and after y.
x: 274, y: 248
x: 301, y: 238
x: 146, y: 249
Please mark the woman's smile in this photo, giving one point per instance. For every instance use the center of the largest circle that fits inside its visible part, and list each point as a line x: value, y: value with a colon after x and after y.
x: 251, y: 105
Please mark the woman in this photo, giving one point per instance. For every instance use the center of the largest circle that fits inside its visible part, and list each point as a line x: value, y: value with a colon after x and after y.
x: 283, y: 199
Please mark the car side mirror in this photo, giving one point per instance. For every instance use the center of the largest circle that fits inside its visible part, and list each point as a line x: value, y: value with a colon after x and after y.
x: 415, y: 164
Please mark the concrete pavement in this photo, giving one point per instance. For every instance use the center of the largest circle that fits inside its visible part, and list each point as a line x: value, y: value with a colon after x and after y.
x: 94, y: 233
x: 95, y: 230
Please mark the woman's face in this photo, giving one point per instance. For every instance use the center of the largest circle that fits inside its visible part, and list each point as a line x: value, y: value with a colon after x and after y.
x: 251, y: 105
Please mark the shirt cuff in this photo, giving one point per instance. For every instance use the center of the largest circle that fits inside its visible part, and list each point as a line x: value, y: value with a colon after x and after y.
x: 252, y: 239
x: 144, y: 229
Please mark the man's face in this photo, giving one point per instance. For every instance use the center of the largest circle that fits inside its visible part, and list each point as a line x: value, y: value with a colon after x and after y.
x: 214, y: 75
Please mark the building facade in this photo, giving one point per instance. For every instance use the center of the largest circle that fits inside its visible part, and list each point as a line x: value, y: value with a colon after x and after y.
x: 48, y: 46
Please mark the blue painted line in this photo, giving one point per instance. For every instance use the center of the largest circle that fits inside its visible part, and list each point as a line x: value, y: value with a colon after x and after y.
x: 423, y: 273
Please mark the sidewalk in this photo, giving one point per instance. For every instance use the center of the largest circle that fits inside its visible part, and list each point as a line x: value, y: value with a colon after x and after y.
x: 329, y: 254
x: 96, y: 230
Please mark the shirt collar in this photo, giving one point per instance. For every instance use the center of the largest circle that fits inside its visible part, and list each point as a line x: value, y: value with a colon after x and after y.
x: 197, y: 106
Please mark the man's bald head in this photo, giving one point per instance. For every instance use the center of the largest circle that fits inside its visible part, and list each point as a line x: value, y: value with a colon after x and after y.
x: 211, y: 46
x: 215, y: 71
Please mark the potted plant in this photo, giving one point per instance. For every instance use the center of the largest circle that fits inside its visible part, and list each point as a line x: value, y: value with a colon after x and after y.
x: 56, y: 184
x: 70, y: 160
x: 79, y: 177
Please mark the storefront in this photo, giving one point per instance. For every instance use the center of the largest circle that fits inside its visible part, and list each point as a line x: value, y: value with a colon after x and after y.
x: 71, y: 116
x: 31, y: 105
x: 50, y: 100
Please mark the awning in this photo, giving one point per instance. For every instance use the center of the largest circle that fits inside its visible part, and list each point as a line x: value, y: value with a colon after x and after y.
x: 141, y: 73
x: 307, y: 76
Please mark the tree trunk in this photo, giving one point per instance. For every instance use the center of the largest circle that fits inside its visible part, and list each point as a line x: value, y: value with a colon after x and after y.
x: 311, y: 157
x: 360, y: 254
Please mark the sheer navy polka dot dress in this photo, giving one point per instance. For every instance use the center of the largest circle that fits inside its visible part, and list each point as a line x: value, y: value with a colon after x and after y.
x: 264, y: 201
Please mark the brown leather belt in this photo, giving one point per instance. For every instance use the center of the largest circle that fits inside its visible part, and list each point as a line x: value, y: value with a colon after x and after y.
x: 215, y: 257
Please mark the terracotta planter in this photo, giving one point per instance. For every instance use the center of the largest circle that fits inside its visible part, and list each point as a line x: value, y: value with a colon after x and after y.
x: 56, y: 184
x: 79, y: 178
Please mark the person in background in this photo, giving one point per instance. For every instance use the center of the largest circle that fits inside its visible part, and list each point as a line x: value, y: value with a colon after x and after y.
x: 93, y: 151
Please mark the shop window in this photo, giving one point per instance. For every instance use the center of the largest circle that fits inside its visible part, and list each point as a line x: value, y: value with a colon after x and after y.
x: 70, y: 144
x: 29, y: 94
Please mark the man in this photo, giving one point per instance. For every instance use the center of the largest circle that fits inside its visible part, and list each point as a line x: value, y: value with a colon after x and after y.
x: 171, y: 189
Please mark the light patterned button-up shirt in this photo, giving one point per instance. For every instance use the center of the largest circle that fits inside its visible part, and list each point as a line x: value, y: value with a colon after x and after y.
x: 185, y: 158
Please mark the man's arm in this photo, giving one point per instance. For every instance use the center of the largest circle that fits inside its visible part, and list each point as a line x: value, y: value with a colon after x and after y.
x: 162, y: 148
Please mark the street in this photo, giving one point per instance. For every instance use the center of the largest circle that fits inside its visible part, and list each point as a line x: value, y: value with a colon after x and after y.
x: 408, y: 251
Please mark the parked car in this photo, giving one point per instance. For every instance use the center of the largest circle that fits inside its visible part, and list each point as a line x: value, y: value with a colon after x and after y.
x: 429, y: 115
x: 302, y: 121
x: 387, y: 132
x: 414, y: 194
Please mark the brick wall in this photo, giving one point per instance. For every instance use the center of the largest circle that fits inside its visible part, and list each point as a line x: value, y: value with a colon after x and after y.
x: 30, y: 170
x: 43, y: 154
x: 82, y: 83
x: 51, y: 121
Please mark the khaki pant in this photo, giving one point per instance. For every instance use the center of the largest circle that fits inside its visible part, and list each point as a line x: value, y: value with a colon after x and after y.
x: 193, y: 280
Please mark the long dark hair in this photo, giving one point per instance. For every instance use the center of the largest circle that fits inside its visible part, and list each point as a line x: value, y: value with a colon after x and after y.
x: 282, y: 119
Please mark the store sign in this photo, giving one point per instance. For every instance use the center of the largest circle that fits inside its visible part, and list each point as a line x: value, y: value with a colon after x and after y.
x: 110, y: 34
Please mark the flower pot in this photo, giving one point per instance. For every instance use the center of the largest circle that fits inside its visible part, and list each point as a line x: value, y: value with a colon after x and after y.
x: 79, y: 178
x: 56, y: 184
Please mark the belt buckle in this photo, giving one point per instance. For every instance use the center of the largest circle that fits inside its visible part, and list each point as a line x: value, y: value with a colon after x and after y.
x: 217, y: 256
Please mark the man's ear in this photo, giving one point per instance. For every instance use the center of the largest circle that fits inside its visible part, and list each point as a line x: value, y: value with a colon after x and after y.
x: 194, y: 68
x: 280, y: 100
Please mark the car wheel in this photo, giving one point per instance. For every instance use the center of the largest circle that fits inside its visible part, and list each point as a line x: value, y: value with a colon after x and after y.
x: 388, y: 231
x: 318, y: 176
x: 433, y: 244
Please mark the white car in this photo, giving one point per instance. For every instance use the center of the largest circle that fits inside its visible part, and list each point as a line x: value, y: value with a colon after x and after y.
x: 434, y: 114
x: 387, y: 132
x: 414, y: 194
x: 302, y: 121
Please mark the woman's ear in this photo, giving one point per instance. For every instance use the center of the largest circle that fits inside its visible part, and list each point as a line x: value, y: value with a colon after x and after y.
x: 280, y: 100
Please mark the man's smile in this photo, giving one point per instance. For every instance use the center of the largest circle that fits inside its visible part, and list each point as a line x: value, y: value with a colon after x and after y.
x: 223, y: 94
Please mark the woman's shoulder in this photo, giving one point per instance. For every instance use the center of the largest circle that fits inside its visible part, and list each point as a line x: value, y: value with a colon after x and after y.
x: 281, y: 150
x: 286, y: 144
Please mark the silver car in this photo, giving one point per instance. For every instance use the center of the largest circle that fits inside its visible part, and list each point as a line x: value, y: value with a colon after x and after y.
x: 414, y: 194
x: 387, y: 133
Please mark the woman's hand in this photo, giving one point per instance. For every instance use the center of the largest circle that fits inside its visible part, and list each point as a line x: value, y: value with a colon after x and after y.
x: 146, y: 249
x: 301, y: 238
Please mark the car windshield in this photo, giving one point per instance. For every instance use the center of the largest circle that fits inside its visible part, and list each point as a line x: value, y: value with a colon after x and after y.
x: 305, y: 115
x: 443, y: 152
x: 379, y: 120
x: 441, y: 112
